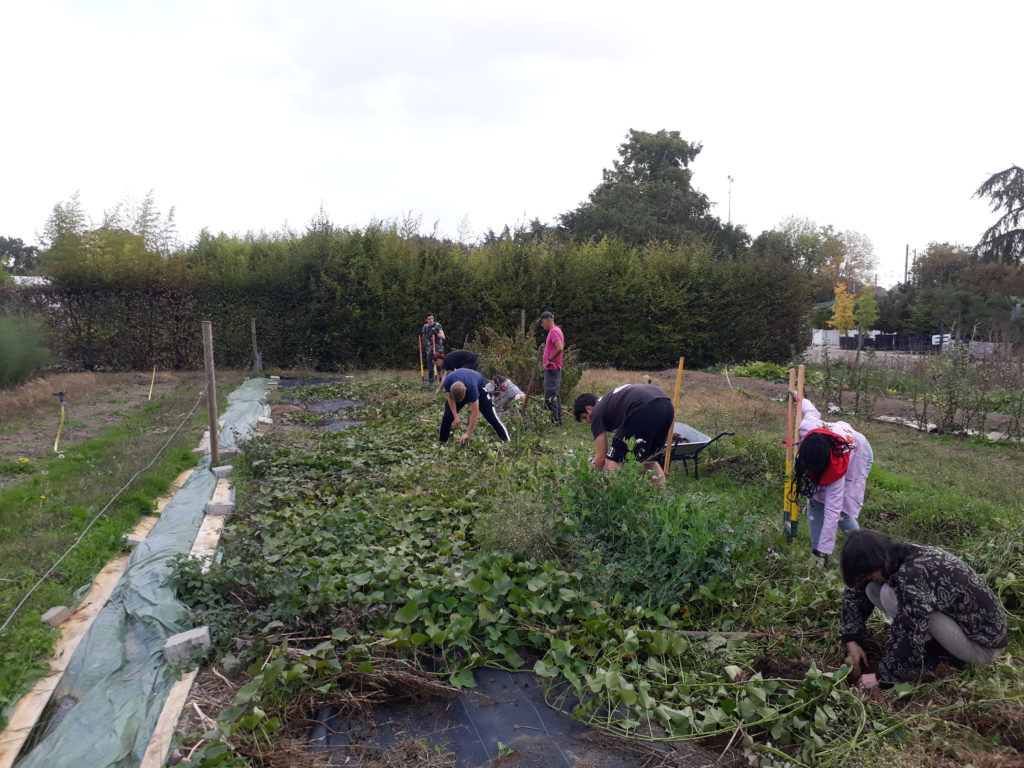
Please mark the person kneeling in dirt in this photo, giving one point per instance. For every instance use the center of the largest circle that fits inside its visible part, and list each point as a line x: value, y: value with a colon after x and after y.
x: 505, y: 392
x: 459, y: 358
x: 831, y: 471
x: 941, y: 610
x: 465, y: 385
x: 640, y: 411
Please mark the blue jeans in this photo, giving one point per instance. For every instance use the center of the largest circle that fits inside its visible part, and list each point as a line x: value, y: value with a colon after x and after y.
x: 815, y: 512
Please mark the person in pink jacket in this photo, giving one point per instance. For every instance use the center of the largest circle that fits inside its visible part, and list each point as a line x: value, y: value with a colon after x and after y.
x: 831, y: 471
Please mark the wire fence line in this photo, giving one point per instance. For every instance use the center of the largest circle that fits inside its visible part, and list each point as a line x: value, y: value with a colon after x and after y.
x: 99, y: 514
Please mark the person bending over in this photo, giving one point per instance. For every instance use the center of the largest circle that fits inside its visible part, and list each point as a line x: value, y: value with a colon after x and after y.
x: 831, y: 471
x: 506, y: 392
x: 927, y: 594
x: 459, y: 358
x: 640, y: 411
x: 465, y: 385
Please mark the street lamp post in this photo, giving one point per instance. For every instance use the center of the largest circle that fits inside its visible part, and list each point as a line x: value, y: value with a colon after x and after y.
x: 730, y: 199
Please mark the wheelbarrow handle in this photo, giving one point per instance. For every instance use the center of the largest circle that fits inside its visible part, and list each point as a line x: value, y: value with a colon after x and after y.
x: 717, y: 437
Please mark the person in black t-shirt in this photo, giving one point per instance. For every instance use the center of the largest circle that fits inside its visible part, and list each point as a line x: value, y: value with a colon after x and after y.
x: 639, y: 411
x: 459, y: 358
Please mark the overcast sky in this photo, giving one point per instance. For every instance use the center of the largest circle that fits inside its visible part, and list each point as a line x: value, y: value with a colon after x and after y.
x: 879, y: 117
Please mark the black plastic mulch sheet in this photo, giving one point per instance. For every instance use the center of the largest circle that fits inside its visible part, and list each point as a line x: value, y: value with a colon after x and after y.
x: 503, y: 721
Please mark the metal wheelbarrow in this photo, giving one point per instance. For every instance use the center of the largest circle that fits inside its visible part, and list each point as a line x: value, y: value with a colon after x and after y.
x: 687, y: 443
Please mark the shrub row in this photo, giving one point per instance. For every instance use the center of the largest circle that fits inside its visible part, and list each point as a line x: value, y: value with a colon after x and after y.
x: 336, y: 298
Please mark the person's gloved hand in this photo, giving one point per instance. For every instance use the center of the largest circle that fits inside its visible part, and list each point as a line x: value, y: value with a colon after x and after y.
x: 820, y: 558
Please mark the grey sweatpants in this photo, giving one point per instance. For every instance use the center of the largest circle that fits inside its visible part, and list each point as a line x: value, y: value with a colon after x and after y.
x: 552, y: 385
x: 943, y: 629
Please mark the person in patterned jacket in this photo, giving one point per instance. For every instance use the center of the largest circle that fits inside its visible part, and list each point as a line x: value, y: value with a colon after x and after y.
x: 927, y: 594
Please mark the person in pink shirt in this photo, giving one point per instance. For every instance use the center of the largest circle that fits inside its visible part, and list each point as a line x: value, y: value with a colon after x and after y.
x: 552, y: 359
x: 831, y: 471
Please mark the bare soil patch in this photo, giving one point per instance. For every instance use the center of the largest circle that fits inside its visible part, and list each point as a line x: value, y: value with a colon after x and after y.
x: 92, y: 402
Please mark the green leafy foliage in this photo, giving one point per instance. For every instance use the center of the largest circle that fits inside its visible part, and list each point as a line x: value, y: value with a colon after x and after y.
x: 23, y: 348
x: 653, y: 550
x: 392, y: 547
x: 518, y: 357
x: 760, y: 370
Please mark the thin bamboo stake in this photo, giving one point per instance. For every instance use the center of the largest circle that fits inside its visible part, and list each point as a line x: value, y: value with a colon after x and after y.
x: 675, y: 411
x: 152, y: 383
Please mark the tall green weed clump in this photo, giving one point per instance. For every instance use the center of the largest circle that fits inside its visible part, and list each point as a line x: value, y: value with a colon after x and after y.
x: 23, y: 348
x: 653, y: 550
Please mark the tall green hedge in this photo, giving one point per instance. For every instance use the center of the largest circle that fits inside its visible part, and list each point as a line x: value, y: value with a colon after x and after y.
x: 337, y: 298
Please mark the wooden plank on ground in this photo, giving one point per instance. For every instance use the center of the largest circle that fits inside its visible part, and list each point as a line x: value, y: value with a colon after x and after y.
x: 163, y: 733
x: 29, y: 707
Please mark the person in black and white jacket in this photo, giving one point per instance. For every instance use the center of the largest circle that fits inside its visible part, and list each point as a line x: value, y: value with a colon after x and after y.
x: 927, y: 594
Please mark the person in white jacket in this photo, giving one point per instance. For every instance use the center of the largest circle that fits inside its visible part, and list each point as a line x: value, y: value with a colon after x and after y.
x: 831, y: 471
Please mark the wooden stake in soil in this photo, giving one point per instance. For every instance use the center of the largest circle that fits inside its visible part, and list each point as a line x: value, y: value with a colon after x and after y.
x: 152, y: 383
x: 675, y: 412
x: 529, y: 387
x: 211, y: 391
x: 787, y: 491
x: 793, y: 430
x: 257, y: 358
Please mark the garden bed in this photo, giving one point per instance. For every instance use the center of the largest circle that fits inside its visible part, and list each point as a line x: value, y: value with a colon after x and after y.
x: 356, y: 551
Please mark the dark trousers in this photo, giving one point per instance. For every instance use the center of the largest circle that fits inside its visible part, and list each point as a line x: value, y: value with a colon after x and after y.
x: 486, y: 410
x: 552, y: 399
x: 430, y: 347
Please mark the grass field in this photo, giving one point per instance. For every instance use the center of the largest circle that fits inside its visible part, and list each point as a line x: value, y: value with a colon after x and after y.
x: 355, y: 551
x: 47, y: 501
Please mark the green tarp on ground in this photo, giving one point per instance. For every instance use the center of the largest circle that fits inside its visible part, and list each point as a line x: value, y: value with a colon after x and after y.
x: 103, y: 712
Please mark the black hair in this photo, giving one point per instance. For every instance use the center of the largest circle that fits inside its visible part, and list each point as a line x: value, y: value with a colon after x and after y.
x: 865, y: 552
x: 499, y: 380
x: 580, y: 406
x: 813, y: 458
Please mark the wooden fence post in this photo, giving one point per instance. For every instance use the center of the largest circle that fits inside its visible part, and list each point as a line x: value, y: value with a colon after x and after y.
x: 211, y: 391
